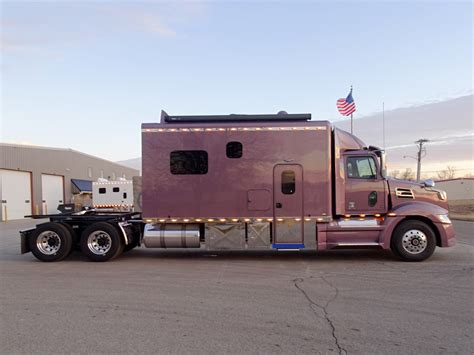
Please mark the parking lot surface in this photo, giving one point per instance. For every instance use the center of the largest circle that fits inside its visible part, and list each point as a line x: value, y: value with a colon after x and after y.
x: 157, y: 301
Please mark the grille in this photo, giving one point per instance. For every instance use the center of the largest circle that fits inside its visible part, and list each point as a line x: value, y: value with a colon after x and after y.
x: 404, y: 193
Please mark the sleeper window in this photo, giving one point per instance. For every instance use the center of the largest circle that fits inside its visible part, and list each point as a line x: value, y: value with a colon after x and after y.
x: 188, y: 162
x: 234, y: 150
x: 116, y: 189
x: 361, y: 168
x: 102, y: 190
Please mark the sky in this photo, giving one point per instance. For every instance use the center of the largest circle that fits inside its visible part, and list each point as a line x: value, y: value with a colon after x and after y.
x: 85, y: 75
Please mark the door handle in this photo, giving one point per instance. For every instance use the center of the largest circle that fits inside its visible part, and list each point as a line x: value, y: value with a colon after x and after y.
x: 278, y: 205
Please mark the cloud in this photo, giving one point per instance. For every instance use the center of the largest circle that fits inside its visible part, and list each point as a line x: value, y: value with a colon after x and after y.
x: 154, y: 25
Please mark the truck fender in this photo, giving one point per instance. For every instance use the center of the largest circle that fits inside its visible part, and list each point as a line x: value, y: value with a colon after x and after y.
x: 423, y: 211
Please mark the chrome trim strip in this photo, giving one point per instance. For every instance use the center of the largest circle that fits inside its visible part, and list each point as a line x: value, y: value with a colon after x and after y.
x: 356, y: 244
x: 357, y: 223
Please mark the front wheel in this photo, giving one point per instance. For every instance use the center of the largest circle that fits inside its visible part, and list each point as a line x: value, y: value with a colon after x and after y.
x: 413, y: 241
x: 101, y: 242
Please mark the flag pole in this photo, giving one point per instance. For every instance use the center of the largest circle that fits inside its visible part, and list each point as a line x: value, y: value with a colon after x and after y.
x: 352, y: 122
x: 383, y: 123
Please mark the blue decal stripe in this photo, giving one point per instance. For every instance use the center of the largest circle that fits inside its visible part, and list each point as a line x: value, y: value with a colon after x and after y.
x: 288, y: 246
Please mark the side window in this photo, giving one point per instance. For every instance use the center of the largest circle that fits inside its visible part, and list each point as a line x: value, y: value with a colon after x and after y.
x: 188, y: 162
x: 288, y: 184
x: 116, y: 189
x: 102, y: 190
x: 361, y: 168
x: 234, y: 150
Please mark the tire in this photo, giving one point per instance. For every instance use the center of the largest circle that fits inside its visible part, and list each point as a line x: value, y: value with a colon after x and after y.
x: 413, y: 240
x: 74, y: 240
x: 101, y: 242
x: 50, y: 242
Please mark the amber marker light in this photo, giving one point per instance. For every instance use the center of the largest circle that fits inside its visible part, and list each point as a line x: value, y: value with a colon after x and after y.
x: 247, y: 219
x: 307, y: 219
x: 185, y: 220
x: 198, y: 219
x: 210, y: 220
x: 174, y: 220
x: 377, y: 215
x: 235, y: 220
x: 162, y: 220
x: 347, y: 215
x: 391, y: 214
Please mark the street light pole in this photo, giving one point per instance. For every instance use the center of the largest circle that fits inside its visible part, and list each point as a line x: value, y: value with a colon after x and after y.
x: 420, y: 143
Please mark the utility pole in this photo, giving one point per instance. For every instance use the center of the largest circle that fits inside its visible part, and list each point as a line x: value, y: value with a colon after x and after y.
x: 421, y: 150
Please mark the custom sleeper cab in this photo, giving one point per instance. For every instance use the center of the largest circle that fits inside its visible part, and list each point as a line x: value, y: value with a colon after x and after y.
x: 258, y: 182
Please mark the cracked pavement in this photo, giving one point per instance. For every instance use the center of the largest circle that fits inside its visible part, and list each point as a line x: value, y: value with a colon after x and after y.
x: 153, y: 301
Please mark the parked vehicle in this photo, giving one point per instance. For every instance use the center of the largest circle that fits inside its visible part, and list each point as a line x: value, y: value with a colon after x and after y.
x: 258, y: 182
x: 113, y: 195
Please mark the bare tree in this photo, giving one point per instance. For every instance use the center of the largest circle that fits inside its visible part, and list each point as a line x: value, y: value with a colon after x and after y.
x: 447, y: 173
x: 395, y: 174
x: 408, y: 175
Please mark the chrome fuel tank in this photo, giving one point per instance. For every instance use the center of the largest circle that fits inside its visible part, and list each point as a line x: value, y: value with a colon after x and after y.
x: 172, y: 235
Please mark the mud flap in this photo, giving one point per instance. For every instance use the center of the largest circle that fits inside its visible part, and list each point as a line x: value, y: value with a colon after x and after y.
x: 24, y: 234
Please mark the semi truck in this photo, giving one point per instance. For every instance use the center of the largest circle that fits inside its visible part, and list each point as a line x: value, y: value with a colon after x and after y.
x: 256, y: 182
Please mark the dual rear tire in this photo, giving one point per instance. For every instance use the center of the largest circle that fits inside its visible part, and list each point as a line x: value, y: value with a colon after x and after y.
x: 101, y: 242
x: 54, y: 241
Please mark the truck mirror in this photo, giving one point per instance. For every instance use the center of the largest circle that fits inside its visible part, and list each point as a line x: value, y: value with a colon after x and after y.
x: 429, y: 183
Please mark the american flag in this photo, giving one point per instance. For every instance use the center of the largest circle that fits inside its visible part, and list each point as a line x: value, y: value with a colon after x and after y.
x: 346, y: 106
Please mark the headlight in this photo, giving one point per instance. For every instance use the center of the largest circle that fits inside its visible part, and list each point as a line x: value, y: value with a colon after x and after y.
x: 443, y: 218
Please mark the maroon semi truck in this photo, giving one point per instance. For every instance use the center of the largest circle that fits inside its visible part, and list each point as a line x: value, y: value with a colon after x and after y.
x: 257, y: 182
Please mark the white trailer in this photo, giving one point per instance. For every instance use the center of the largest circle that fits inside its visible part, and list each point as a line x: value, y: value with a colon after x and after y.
x: 113, y: 195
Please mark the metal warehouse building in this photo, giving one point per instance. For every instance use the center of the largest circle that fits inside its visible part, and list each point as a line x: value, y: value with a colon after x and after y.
x: 35, y: 180
x: 457, y: 189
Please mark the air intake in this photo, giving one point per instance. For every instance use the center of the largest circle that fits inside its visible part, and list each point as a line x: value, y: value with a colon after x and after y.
x: 404, y: 193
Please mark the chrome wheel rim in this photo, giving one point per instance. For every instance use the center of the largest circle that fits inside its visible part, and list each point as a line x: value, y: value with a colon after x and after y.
x: 414, y: 241
x: 48, y: 242
x: 99, y: 242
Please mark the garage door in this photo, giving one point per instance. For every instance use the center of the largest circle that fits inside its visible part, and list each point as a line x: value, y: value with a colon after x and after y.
x: 16, y: 194
x: 53, y: 193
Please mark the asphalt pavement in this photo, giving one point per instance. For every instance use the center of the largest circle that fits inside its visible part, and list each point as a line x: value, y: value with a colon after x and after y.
x: 158, y: 301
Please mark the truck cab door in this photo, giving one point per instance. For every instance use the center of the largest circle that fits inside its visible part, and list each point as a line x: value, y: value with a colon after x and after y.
x: 365, y: 188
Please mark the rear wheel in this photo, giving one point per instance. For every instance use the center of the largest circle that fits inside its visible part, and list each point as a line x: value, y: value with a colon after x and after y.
x: 50, y: 242
x: 101, y: 242
x: 413, y: 241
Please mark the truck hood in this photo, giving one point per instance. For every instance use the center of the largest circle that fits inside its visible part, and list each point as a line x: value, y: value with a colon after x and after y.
x: 403, y: 192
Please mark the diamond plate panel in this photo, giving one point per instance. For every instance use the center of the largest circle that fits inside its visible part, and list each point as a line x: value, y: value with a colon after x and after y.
x: 225, y: 236
x: 258, y: 235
